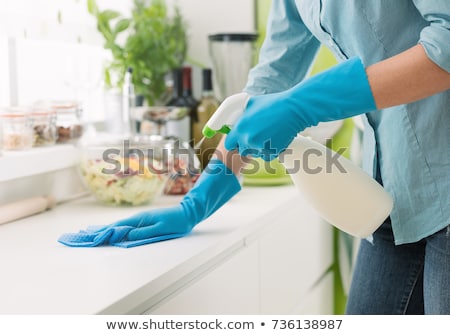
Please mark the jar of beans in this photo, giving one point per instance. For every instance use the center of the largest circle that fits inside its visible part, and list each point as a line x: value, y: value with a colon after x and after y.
x: 68, y: 121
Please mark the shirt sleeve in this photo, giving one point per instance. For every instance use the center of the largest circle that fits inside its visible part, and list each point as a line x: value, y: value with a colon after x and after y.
x: 435, y: 38
x: 286, y: 53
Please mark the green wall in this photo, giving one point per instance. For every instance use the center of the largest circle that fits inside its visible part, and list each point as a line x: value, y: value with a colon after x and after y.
x: 262, y: 13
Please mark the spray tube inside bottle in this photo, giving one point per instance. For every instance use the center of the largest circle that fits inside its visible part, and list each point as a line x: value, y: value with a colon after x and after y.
x: 341, y: 192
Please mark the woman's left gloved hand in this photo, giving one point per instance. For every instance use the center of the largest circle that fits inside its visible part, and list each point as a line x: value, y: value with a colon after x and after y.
x: 214, y: 188
x: 270, y: 122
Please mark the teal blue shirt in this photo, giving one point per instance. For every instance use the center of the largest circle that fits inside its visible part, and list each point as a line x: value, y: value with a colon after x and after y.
x: 408, y: 144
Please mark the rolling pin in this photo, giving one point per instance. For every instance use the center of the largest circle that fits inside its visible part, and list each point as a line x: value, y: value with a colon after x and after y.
x: 27, y: 207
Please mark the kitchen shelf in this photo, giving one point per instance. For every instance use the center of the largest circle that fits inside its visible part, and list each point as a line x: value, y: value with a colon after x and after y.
x: 20, y: 164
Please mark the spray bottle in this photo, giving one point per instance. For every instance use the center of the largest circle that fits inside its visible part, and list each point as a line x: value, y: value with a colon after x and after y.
x: 342, y: 194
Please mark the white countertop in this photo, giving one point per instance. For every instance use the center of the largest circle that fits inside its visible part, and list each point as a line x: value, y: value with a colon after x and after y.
x: 40, y: 276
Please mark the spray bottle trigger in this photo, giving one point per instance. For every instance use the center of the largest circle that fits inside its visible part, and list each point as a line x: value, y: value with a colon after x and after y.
x: 209, y: 132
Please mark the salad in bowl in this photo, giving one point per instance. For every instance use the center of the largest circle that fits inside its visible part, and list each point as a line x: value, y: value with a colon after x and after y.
x: 135, y: 171
x: 124, y: 171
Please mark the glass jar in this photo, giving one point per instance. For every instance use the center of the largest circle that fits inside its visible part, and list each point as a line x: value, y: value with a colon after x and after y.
x: 17, y: 129
x: 44, y: 127
x: 183, y: 167
x: 68, y: 121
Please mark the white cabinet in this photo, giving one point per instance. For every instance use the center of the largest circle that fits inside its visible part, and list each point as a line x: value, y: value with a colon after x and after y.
x: 294, y: 253
x: 277, y: 271
x: 228, y: 288
x: 318, y: 300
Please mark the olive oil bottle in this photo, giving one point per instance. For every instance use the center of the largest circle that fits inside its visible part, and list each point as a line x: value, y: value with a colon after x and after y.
x: 207, y: 106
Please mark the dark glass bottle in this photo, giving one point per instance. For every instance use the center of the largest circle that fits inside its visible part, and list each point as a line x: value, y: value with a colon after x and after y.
x: 188, y: 96
x: 179, y: 119
x: 182, y: 174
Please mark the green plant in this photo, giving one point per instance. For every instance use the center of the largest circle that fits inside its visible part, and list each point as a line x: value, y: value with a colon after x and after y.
x: 154, y: 44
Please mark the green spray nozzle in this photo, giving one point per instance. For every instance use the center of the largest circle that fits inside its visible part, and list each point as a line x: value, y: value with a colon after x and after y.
x: 209, y: 132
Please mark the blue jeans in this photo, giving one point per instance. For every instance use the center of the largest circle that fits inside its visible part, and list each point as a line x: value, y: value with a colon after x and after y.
x: 405, y: 279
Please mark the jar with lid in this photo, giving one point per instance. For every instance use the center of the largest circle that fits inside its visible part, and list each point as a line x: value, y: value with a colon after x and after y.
x: 68, y: 121
x: 44, y: 126
x: 17, y: 129
x: 183, y: 167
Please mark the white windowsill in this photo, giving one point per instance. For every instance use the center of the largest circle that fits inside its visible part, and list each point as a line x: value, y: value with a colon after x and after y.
x: 14, y: 165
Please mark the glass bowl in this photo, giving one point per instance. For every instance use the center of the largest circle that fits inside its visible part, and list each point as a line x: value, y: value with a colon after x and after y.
x: 134, y: 171
x: 123, y: 171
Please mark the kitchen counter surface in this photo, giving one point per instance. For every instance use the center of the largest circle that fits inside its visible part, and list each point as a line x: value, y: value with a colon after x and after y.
x: 41, y: 276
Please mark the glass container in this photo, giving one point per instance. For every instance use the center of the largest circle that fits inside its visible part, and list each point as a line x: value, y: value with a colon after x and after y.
x: 17, y: 129
x: 133, y: 171
x: 124, y: 171
x: 183, y: 167
x: 232, y: 55
x: 45, y: 132
x: 68, y: 121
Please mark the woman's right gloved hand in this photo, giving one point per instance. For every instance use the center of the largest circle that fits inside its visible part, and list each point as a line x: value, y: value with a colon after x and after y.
x: 272, y: 121
x: 214, y: 188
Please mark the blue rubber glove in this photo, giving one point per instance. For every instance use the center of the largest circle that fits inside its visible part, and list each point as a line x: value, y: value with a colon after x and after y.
x: 214, y: 188
x: 270, y: 122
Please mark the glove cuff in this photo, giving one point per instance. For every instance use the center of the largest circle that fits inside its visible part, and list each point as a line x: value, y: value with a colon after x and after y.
x: 340, y: 92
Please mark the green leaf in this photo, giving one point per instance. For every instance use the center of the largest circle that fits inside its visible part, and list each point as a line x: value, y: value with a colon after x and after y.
x: 105, y: 29
x: 109, y: 14
x: 92, y: 7
x: 155, y: 43
x: 107, y: 78
x: 121, y: 25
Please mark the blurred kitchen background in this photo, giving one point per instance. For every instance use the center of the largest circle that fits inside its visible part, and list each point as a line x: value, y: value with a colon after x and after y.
x: 61, y: 54
x: 52, y: 50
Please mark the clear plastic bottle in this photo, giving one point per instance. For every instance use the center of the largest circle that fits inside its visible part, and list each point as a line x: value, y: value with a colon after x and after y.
x: 128, y: 104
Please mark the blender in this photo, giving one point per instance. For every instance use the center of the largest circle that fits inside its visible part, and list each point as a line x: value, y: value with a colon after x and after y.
x: 232, y: 55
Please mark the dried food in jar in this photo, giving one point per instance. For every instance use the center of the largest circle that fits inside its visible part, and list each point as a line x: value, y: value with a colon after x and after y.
x: 44, y: 128
x: 69, y: 133
x: 68, y: 121
x: 43, y: 135
x: 16, y: 141
x: 181, y: 178
x: 17, y: 131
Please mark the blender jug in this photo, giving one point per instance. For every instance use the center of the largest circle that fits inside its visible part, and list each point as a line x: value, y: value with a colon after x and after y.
x: 232, y: 55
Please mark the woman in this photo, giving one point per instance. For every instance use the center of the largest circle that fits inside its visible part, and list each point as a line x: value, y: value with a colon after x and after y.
x: 394, y: 70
